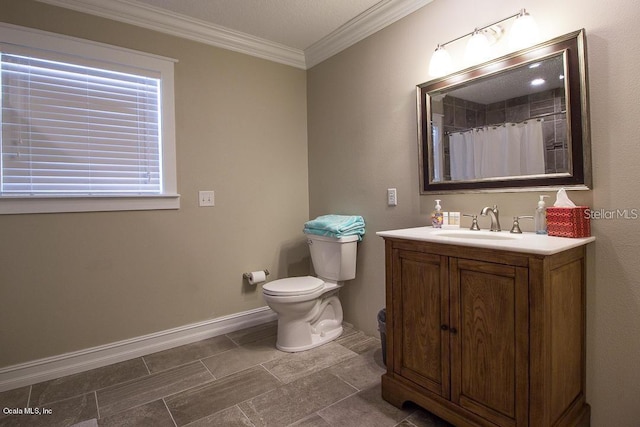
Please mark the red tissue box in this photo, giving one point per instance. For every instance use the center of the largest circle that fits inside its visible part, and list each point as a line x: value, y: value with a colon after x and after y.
x: 569, y: 222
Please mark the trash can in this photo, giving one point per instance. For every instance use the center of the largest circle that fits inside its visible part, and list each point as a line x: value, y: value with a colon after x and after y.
x: 382, y: 327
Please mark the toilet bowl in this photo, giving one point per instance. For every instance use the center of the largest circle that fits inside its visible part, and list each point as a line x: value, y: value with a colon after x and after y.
x: 308, y: 308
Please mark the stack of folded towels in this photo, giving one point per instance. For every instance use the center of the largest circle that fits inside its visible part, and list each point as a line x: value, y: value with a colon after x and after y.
x: 336, y: 226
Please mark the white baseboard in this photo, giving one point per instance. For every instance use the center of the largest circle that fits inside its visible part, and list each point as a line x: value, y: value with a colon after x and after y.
x: 78, y: 361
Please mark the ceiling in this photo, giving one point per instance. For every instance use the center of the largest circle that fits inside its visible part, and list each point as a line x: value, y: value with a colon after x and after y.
x: 300, y: 33
x: 294, y: 23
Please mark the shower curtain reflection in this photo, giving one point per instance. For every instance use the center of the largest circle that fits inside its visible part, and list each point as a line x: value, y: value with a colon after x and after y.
x: 512, y: 149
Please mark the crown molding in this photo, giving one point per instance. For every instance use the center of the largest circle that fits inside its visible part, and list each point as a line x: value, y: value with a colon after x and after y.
x: 157, y: 19
x: 362, y: 26
x: 153, y: 18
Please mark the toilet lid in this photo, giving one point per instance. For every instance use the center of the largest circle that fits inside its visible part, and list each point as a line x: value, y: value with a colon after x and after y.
x: 293, y: 286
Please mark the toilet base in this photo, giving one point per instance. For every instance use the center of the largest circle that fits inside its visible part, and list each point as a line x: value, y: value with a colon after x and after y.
x: 316, y: 341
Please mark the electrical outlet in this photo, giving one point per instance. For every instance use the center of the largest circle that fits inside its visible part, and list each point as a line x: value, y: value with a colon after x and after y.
x: 392, y: 197
x: 206, y: 198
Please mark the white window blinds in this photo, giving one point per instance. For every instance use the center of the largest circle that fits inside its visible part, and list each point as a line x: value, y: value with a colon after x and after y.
x: 70, y: 129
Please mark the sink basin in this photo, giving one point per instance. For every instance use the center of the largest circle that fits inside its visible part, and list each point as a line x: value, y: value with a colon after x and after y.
x: 500, y: 240
x: 480, y: 235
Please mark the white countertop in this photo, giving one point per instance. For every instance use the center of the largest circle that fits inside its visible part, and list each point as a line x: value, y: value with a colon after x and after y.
x: 526, y: 242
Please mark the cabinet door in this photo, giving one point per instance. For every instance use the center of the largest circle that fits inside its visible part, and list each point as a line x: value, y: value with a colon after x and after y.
x: 489, y: 340
x: 421, y: 317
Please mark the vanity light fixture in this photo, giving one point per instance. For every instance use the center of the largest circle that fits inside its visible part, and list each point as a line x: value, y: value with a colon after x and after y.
x: 441, y: 63
x: 524, y: 32
x: 478, y: 48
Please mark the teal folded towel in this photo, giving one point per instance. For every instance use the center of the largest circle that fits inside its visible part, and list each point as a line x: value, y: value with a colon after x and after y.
x: 336, y: 226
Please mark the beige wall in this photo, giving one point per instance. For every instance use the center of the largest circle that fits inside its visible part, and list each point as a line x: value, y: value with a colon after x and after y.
x: 362, y: 140
x: 73, y: 281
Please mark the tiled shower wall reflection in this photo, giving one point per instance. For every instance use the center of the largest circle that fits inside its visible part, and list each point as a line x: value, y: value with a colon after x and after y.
x: 462, y: 115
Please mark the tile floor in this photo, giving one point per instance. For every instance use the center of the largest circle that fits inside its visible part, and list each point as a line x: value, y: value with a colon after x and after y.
x: 237, y: 379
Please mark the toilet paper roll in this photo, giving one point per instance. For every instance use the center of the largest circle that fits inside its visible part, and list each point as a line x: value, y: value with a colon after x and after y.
x: 256, y: 277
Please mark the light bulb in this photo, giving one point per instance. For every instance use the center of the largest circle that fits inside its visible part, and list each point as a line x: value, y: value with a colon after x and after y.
x: 477, y: 49
x: 440, y: 64
x: 524, y: 31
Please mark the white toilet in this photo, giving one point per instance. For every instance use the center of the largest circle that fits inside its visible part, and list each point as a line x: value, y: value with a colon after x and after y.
x: 309, y: 311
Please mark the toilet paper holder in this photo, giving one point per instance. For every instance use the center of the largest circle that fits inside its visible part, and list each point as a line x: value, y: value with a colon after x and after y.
x: 248, y: 275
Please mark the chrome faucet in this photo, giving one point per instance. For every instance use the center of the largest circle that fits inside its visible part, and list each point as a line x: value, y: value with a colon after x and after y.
x: 494, y: 215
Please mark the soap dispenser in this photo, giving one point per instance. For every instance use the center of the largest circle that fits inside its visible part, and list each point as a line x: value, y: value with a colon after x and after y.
x: 540, y: 217
x: 437, y: 216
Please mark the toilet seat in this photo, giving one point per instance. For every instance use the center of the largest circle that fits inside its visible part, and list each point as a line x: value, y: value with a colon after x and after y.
x: 293, y: 286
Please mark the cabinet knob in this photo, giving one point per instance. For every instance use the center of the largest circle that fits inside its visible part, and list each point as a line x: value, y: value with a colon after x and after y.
x: 453, y: 330
x: 444, y: 327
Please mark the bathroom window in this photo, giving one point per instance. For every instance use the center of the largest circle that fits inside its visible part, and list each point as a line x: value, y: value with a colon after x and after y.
x: 85, y: 126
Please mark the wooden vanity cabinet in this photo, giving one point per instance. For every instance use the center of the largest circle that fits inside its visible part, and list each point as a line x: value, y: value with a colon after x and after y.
x: 482, y: 337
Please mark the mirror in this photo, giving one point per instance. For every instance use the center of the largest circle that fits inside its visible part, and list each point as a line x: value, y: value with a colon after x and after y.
x: 519, y: 122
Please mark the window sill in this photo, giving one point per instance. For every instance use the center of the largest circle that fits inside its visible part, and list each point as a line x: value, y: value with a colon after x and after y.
x: 29, y: 205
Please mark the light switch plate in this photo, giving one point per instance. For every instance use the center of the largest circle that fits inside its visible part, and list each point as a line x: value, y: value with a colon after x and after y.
x: 392, y: 197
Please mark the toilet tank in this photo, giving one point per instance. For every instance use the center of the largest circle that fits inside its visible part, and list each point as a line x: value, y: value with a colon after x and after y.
x: 333, y: 259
